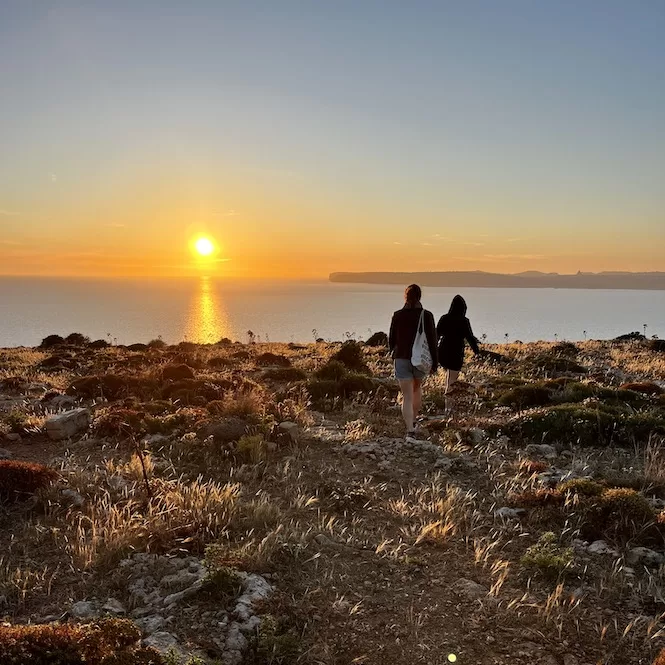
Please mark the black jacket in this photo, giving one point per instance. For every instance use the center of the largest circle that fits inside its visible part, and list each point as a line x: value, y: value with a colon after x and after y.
x: 452, y: 331
x: 403, y: 329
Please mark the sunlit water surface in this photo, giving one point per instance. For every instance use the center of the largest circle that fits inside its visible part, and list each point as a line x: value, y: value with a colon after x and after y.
x: 207, y: 309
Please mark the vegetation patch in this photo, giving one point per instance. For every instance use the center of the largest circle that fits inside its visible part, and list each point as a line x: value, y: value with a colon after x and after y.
x: 19, y: 480
x: 547, y: 557
x: 105, y: 642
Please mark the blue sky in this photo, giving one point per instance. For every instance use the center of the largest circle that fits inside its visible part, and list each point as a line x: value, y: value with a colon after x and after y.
x: 425, y: 135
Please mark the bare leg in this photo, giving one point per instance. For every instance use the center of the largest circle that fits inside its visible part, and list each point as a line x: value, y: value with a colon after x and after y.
x: 451, y: 378
x: 417, y: 397
x: 406, y: 386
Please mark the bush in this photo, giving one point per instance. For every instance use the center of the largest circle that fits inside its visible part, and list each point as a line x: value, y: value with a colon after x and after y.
x: 377, y: 339
x: 77, y: 339
x: 285, y: 374
x: 621, y: 515
x: 220, y: 361
x: 99, y: 344
x: 252, y: 448
x: 272, y: 360
x: 548, y: 557
x: 535, y: 498
x: 587, y: 425
x: 158, y: 344
x: 644, y: 388
x: 333, y: 370
x: 565, y: 349
x: 104, y: 642
x: 554, y: 364
x: 275, y: 642
x: 51, y: 340
x: 523, y: 397
x: 19, y: 479
x: 660, y: 658
x: 582, y: 487
x: 352, y: 357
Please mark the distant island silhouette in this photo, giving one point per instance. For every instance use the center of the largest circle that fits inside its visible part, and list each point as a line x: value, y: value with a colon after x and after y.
x: 532, y: 279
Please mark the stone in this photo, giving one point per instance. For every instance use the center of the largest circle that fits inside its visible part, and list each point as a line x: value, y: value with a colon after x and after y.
x: 62, y: 402
x: 600, y: 547
x: 645, y: 557
x: 291, y: 429
x: 114, y: 606
x: 72, y: 498
x: 477, y: 435
x: 469, y: 590
x: 180, y: 580
x: 14, y: 437
x: 225, y: 431
x: 6, y: 454
x: 68, y: 424
x: 84, y: 609
x: 569, y: 659
x: 541, y: 450
x: 178, y: 597
x: 255, y: 588
x: 507, y: 513
x: 151, y: 624
x: 162, y: 641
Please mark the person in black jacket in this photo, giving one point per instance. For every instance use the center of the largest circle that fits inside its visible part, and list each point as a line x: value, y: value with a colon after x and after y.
x: 452, y: 330
x: 403, y: 329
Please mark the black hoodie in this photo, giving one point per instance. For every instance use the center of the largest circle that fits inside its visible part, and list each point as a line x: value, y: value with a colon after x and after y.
x: 453, y: 328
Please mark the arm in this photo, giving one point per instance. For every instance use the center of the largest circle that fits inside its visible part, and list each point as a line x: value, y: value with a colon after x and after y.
x: 430, y: 331
x: 470, y: 337
x: 391, y: 335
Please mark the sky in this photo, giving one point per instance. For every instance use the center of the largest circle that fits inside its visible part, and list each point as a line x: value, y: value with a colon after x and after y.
x: 307, y: 137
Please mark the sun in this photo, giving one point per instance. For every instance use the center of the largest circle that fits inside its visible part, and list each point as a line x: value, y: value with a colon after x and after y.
x: 204, y: 246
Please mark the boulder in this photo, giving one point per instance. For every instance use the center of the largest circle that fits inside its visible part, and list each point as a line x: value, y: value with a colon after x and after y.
x: 68, y: 424
x: 600, y: 547
x: 645, y: 557
x: 469, y: 590
x: 541, y: 450
x: 84, y: 609
x: 72, y: 498
x: 225, y: 431
x: 114, y: 606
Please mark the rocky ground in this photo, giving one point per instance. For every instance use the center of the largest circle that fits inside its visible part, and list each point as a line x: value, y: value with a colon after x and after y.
x: 259, y: 503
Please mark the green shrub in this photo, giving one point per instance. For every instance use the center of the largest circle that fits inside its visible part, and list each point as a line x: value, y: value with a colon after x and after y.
x: 52, y: 340
x: 104, y: 642
x: 222, y: 584
x: 352, y: 356
x: 621, y: 515
x: 333, y: 370
x: 274, y: 642
x: 252, y: 448
x: 551, y: 364
x: 158, y: 344
x: 272, y: 360
x: 582, y: 487
x: 77, y: 339
x: 285, y: 374
x: 523, y: 397
x: 548, y: 557
x: 20, y: 479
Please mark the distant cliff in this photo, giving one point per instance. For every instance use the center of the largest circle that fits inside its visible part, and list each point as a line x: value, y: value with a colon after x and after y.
x: 525, y: 280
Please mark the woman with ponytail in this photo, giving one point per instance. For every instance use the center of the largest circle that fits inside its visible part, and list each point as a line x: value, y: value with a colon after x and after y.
x: 403, y: 331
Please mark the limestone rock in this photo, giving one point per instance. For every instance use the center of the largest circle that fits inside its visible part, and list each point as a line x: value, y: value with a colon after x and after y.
x: 645, y: 557
x: 151, y: 624
x: 114, y: 606
x: 469, y: 590
x: 68, y: 424
x: 541, y: 450
x: 507, y: 513
x: 600, y: 547
x: 5, y: 454
x: 84, y: 609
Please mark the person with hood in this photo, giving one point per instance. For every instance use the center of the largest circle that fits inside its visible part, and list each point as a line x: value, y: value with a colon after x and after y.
x: 403, y: 329
x: 452, y: 330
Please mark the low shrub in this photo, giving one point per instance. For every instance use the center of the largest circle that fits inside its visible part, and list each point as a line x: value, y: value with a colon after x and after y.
x: 252, y: 448
x: 565, y: 349
x: 551, y: 364
x: 217, y: 362
x: 581, y: 486
x: 272, y: 360
x: 104, y: 642
x: 52, y: 340
x: 377, y: 339
x: 275, y: 642
x: 20, y: 479
x: 523, y: 397
x: 158, y: 344
x: 285, y: 374
x: 333, y: 370
x: 99, y: 344
x: 644, y: 388
x: 351, y: 355
x: 530, y: 467
x: 548, y: 557
x: 77, y: 339
x: 535, y: 498
x: 621, y: 515
x: 660, y: 658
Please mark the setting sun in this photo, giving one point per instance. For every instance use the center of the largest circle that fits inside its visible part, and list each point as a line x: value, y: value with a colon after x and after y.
x: 204, y: 246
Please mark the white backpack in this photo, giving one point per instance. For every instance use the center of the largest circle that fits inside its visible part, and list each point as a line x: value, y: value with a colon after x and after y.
x: 421, y: 358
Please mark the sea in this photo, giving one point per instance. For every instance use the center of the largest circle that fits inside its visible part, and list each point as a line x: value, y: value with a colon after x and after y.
x: 207, y: 309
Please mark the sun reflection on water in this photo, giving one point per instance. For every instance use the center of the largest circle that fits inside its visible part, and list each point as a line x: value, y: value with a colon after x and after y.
x: 207, y: 321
